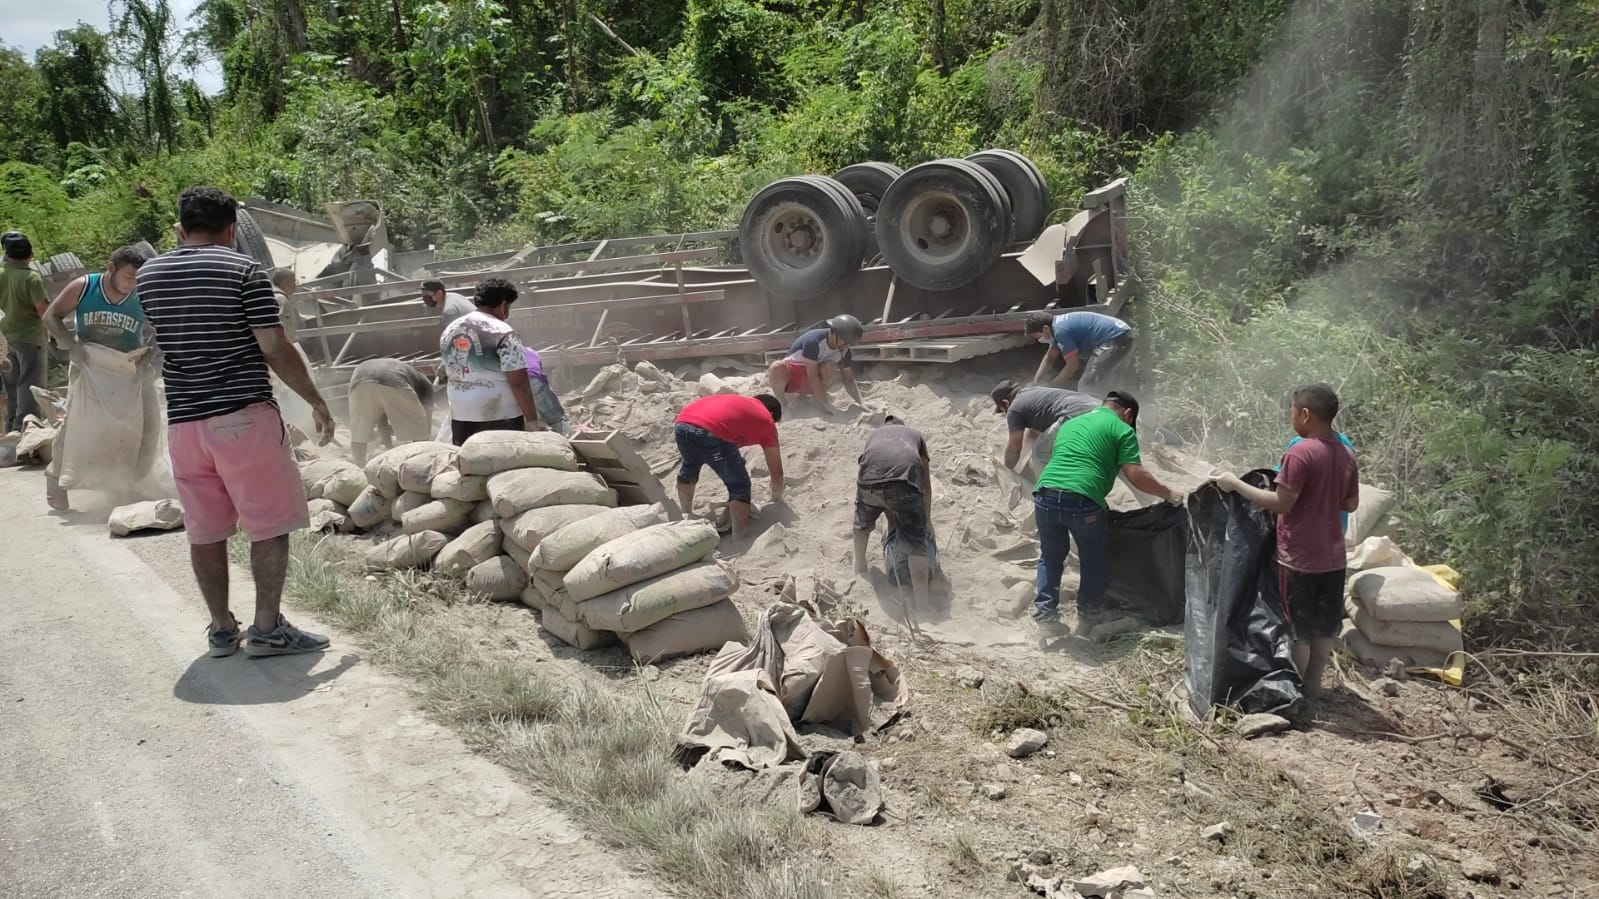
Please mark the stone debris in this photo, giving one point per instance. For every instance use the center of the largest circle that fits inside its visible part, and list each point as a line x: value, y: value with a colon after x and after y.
x: 969, y: 677
x: 1261, y: 724
x: 1478, y: 868
x: 1218, y: 832
x: 995, y: 792
x: 1364, y: 823
x: 1025, y: 742
x: 1015, y: 602
x: 1387, y: 686
x: 1113, y: 883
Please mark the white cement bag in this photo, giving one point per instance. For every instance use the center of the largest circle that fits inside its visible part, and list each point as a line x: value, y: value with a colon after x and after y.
x: 337, y: 479
x: 161, y: 515
x: 566, y: 547
x: 1375, y: 504
x: 564, y: 606
x: 468, y: 488
x: 1440, y: 636
x: 444, y: 515
x: 533, y: 599
x: 418, y: 472
x: 1377, y: 552
x: 1405, y: 594
x: 641, y: 555
x: 687, y: 633
x: 478, y: 543
x: 1376, y: 655
x: 580, y: 636
x: 406, y: 502
x: 547, y: 582
x: 483, y: 511
x: 383, y: 470
x: 531, y: 527
x: 491, y: 452
x: 370, y: 509
x: 407, y: 551
x: 515, y: 492
x: 641, y: 605
x: 510, y: 548
x: 327, y: 515
x: 498, y: 578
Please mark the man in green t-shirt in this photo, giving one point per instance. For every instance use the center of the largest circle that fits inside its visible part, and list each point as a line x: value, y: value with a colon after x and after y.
x: 1069, y: 505
x: 22, y: 302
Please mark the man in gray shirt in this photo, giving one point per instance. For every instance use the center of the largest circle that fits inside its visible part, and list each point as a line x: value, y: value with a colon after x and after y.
x: 449, y: 306
x: 896, y: 479
x: 393, y: 400
x: 1035, y: 413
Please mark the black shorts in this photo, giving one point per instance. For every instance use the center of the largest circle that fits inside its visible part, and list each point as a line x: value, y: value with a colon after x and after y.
x: 1315, y: 603
x: 460, y: 430
x: 899, y: 499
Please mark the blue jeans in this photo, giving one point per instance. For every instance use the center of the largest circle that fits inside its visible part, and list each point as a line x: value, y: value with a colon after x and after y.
x: 548, y: 405
x: 700, y: 448
x: 1063, y: 517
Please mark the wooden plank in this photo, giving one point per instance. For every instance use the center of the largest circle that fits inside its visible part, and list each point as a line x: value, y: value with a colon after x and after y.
x: 611, y: 451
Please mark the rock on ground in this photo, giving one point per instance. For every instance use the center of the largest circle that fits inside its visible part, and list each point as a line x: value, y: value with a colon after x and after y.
x: 1218, y: 832
x: 1261, y: 724
x: 967, y: 676
x: 1478, y: 868
x: 1110, y: 882
x: 1025, y: 742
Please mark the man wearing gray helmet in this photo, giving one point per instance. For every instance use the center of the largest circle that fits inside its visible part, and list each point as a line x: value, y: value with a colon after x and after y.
x: 814, y: 358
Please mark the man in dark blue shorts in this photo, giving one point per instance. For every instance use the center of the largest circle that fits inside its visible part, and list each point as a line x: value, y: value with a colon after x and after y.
x: 710, y: 431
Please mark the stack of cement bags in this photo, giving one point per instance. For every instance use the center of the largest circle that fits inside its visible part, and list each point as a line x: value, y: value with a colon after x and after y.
x: 1403, y: 612
x: 557, y: 538
x: 331, y: 485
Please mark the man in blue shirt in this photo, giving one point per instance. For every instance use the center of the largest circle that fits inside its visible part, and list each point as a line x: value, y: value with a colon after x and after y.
x: 1090, y: 342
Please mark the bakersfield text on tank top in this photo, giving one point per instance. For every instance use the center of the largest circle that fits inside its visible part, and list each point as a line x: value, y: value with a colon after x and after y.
x: 119, y: 326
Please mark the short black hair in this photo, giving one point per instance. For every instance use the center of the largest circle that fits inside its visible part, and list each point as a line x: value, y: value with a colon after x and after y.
x: 772, y: 406
x: 132, y: 256
x: 1126, y: 401
x: 17, y: 246
x: 431, y: 285
x: 206, y: 210
x: 1038, y: 321
x: 493, y: 292
x: 280, y: 275
x: 1319, y: 398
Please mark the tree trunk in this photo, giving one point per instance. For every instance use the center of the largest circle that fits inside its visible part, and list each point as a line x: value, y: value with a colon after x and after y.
x: 940, y: 56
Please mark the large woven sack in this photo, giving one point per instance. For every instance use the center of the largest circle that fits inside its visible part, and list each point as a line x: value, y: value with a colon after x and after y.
x: 1441, y: 636
x: 533, y: 599
x: 574, y: 633
x: 641, y: 555
x: 491, y: 452
x: 468, y: 488
x: 1375, y: 504
x: 531, y: 527
x: 566, y: 547
x: 1377, y: 655
x: 418, y: 471
x: 337, y: 479
x: 444, y: 515
x: 686, y: 633
x: 327, y: 515
x: 478, y: 543
x: 383, y: 470
x: 406, y: 502
x: 371, y: 508
x: 161, y: 515
x: 641, y: 605
x: 103, y: 438
x: 1405, y: 594
x: 510, y: 547
x: 498, y: 578
x: 547, y: 582
x: 515, y: 492
x: 406, y: 551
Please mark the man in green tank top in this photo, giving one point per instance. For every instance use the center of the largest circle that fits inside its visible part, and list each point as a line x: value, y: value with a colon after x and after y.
x: 105, y: 310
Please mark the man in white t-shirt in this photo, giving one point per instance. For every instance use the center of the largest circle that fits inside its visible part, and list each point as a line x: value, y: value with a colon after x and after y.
x: 486, y: 367
x: 449, y: 306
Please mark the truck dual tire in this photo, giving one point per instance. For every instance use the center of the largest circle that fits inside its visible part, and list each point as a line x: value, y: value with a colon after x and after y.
x: 1024, y: 184
x: 800, y: 236
x: 943, y: 223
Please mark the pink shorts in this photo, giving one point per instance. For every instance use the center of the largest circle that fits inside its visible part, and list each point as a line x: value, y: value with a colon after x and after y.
x: 237, y: 469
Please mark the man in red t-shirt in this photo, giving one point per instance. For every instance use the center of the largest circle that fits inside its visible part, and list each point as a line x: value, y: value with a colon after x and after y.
x: 710, y: 431
x: 1318, y: 482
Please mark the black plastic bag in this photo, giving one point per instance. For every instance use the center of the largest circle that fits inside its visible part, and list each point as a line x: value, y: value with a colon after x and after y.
x: 1148, y: 552
x: 1236, y: 641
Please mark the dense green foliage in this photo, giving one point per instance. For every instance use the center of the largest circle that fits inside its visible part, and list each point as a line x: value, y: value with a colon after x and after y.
x: 1395, y: 196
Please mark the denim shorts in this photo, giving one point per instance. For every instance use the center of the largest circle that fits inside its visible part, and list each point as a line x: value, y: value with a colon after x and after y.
x: 699, y: 448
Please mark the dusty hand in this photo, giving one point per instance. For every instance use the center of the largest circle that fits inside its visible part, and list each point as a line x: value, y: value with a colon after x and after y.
x: 777, y: 494
x: 324, y: 424
x: 1178, y: 498
x: 5, y: 363
x: 1227, y: 482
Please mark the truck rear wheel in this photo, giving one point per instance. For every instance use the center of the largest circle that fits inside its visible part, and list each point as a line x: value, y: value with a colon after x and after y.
x: 1024, y: 185
x: 800, y: 236
x: 248, y: 239
x: 942, y: 224
x: 868, y: 181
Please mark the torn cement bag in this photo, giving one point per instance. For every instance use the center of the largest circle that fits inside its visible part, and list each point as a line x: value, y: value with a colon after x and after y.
x: 510, y: 547
x: 405, y: 502
x: 498, y: 578
x: 841, y: 785
x: 738, y: 719
x: 337, y: 479
x: 1375, y: 504
x: 1439, y: 636
x: 641, y: 555
x: 574, y: 634
x: 468, y: 488
x: 35, y: 443
x: 102, y: 437
x: 1377, y: 552
x: 687, y: 633
x: 830, y: 672
x: 444, y: 515
x: 640, y: 605
x: 418, y: 470
x: 161, y: 515
x: 406, y: 551
x: 327, y: 515
x: 531, y: 527
x: 478, y: 543
x: 1148, y: 548
x: 1236, y: 640
x: 370, y: 509
x: 491, y: 452
x: 567, y: 546
x: 383, y: 470
x: 1405, y: 594
x: 515, y: 492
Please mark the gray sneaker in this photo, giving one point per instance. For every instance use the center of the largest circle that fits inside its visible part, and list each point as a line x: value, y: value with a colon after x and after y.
x: 285, y: 639
x: 223, y: 643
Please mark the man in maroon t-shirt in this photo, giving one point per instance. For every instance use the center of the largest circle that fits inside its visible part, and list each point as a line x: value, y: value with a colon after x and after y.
x: 1318, y: 482
x: 710, y: 431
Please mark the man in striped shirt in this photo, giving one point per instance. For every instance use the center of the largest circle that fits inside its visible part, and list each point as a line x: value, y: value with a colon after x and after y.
x: 217, y: 323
